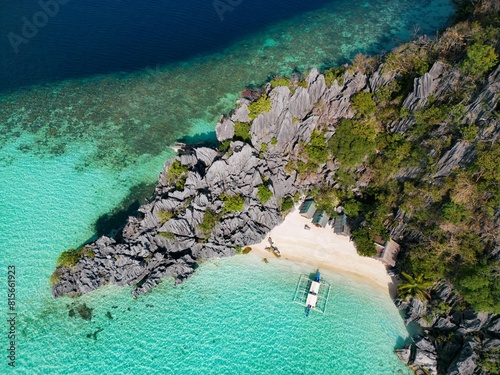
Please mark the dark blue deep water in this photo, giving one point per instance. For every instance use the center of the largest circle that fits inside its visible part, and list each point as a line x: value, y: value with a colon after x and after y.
x: 87, y: 37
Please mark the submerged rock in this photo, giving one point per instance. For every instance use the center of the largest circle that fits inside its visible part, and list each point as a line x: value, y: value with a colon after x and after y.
x: 82, y: 310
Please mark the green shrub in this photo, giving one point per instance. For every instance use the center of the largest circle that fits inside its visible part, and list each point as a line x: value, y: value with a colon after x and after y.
x: 264, y: 193
x: 224, y: 146
x: 326, y: 199
x: 316, y: 148
x: 280, y: 81
x: 263, y: 147
x: 302, y: 168
x: 333, y: 74
x: 210, y: 220
x: 303, y: 84
x: 55, y: 278
x: 167, y: 235
x: 404, y: 113
x: 364, y: 244
x: 455, y: 213
x: 426, y: 118
x: 352, y: 141
x: 261, y: 105
x: 177, y: 174
x: 408, y: 60
x: 420, y: 66
x: 242, y: 132
x: 287, y: 204
x: 232, y: 203
x: 352, y: 208
x: 345, y: 179
x: 363, y: 103
x: 469, y: 132
x: 164, y: 216
x: 480, y: 59
x: 274, y: 140
x: 70, y: 258
x: 479, y: 286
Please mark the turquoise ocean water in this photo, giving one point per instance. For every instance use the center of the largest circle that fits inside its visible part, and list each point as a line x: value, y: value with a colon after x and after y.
x: 73, y: 152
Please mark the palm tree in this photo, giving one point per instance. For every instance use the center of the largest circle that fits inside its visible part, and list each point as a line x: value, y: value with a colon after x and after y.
x: 416, y: 286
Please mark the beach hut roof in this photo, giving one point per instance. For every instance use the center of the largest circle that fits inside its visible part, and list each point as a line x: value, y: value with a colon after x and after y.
x: 390, y: 253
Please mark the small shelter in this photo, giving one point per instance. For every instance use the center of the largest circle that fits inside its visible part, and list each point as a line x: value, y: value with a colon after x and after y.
x: 389, y: 254
x: 320, y: 219
x: 340, y: 226
x: 307, y: 208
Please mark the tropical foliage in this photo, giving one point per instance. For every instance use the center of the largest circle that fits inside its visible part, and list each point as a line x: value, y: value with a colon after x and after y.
x: 415, y: 286
x: 261, y: 105
x: 232, y: 203
x: 177, y: 175
x: 242, y: 132
x: 264, y: 193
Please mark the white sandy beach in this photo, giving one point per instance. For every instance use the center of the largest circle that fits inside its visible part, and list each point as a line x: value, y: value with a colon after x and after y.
x: 323, y: 249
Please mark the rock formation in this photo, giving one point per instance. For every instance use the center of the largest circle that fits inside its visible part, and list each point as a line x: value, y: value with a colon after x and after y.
x: 141, y: 256
x: 455, y: 339
x: 172, y: 233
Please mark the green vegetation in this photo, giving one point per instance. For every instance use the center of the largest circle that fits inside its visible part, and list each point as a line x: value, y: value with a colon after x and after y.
x: 415, y: 286
x: 287, y: 204
x: 334, y: 74
x: 301, y: 167
x: 292, y: 84
x: 242, y: 132
x: 280, y: 81
x: 364, y: 243
x: 263, y: 147
x: 352, y: 141
x: 450, y: 221
x: 274, y: 140
x: 55, y: 278
x: 326, y: 199
x: 408, y: 60
x: 261, y: 105
x: 264, y: 193
x: 480, y: 59
x: 232, y: 203
x: 316, y: 148
x: 164, y: 216
x: 469, y: 132
x: 70, y: 258
x: 363, y: 104
x: 224, y: 146
x: 302, y: 84
x: 177, y: 175
x: 167, y: 235
x: 210, y: 220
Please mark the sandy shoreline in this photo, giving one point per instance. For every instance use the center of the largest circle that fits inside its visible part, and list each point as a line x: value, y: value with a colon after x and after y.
x: 323, y: 249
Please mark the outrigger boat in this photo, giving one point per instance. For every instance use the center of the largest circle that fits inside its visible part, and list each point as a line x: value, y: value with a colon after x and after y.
x: 312, y: 297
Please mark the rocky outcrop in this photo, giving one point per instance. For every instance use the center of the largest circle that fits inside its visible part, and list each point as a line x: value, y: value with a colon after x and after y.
x: 166, y: 240
x: 188, y: 220
x: 455, y: 339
